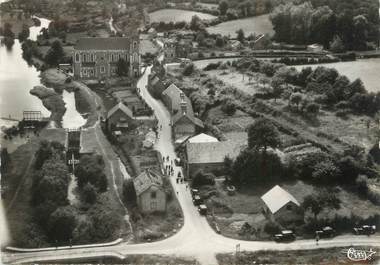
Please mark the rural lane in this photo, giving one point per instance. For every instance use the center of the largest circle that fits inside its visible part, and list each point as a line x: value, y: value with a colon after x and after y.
x: 196, y: 239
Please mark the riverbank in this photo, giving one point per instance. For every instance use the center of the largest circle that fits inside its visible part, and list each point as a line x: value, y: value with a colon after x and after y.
x: 86, y: 102
x: 51, y: 100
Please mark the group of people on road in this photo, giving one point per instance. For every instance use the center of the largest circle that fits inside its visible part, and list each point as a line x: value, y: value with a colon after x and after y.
x: 169, y: 170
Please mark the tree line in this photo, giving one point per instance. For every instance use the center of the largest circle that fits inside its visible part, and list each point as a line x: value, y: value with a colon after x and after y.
x: 312, y: 22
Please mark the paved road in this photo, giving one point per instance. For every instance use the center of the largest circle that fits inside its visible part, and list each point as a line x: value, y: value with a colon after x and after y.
x: 196, y: 239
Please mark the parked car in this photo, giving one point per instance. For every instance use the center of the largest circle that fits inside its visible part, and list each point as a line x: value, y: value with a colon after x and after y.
x: 197, y: 200
x: 202, y: 209
x: 364, y: 230
x: 194, y: 192
x: 325, y: 232
x: 285, y: 236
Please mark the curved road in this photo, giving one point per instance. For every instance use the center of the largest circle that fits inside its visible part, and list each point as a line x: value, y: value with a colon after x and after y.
x: 196, y: 239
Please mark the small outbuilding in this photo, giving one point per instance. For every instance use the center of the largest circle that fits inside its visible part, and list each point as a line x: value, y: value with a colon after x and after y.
x: 119, y: 117
x: 281, y: 206
x: 150, y: 193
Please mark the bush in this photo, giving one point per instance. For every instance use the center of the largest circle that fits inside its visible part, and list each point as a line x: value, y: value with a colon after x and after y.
x: 201, y: 179
x: 272, y: 228
x: 61, y: 224
x: 229, y: 106
x: 129, y: 192
x: 189, y: 69
x: 89, y: 193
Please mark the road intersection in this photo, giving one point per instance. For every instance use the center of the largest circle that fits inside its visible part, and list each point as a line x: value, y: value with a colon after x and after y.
x: 196, y: 239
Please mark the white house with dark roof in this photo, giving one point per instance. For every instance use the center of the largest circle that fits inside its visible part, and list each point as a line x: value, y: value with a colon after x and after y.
x: 150, y: 193
x: 96, y: 58
x: 119, y: 117
x: 281, y: 206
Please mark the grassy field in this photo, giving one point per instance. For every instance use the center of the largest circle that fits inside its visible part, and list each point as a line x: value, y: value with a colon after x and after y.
x: 366, y: 69
x: 255, y: 25
x: 328, y: 256
x: 176, y: 15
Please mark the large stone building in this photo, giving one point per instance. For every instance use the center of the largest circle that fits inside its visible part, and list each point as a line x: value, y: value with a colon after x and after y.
x: 281, y: 206
x: 96, y: 58
x: 151, y: 196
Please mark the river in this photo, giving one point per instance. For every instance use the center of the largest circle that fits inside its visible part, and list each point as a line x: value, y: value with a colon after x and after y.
x: 17, y: 78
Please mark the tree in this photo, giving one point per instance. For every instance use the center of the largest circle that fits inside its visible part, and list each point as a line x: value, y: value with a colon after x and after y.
x: 350, y: 169
x: 7, y: 31
x: 55, y: 54
x: 263, y: 134
x: 202, y: 179
x: 295, y: 99
x: 223, y: 7
x: 254, y: 166
x: 90, y: 169
x: 122, y: 67
x: 312, y: 108
x: 129, y: 192
x: 316, y: 203
x: 326, y: 172
x: 61, y: 224
x: 228, y: 166
x: 46, y: 150
x: 229, y: 106
x: 277, y: 85
x: 188, y: 70
x: 24, y: 34
x: 5, y: 160
x: 240, y: 35
x: 337, y: 45
x: 89, y: 193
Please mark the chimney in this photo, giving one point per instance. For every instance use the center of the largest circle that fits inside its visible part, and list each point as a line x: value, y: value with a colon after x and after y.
x: 183, y: 106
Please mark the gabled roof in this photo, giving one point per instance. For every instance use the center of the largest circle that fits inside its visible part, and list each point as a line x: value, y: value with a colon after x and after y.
x: 147, y: 179
x: 276, y: 198
x: 212, y: 152
x: 116, y: 43
x: 203, y: 138
x: 189, y: 115
x: 122, y: 107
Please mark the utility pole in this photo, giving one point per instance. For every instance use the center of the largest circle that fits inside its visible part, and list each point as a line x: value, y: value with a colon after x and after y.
x: 237, y: 250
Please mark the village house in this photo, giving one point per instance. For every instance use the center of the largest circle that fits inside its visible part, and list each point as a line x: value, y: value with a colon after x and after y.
x: 152, y: 33
x: 208, y: 155
x: 119, y: 118
x: 150, y: 194
x: 261, y: 42
x: 170, y: 48
x: 281, y: 206
x: 183, y: 121
x: 235, y: 45
x: 96, y: 58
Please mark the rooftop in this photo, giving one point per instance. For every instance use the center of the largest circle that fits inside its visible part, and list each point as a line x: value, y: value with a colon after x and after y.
x: 212, y: 152
x: 122, y: 107
x: 277, y: 197
x: 116, y: 43
x: 203, y: 138
x: 147, y: 179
